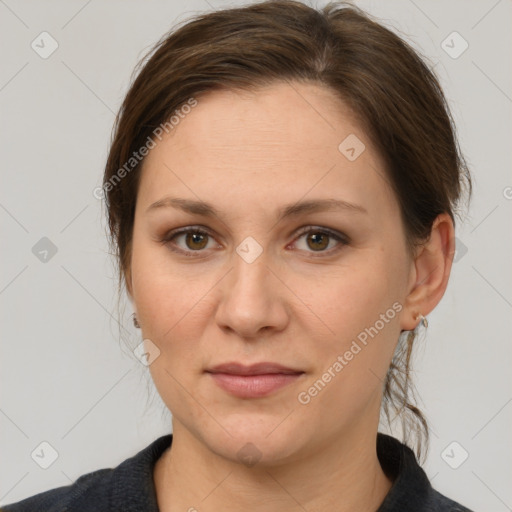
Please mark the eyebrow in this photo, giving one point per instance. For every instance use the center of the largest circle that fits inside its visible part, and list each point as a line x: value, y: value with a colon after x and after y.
x: 208, y: 210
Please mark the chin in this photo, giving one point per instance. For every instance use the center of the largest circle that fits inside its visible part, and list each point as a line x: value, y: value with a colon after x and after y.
x: 257, y: 440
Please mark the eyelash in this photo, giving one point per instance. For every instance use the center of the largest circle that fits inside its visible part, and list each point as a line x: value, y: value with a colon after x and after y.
x: 341, y: 238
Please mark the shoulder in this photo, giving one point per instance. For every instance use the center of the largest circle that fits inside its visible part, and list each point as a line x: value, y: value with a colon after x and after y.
x: 440, y: 503
x: 87, y: 492
x: 411, y: 489
x: 129, y: 487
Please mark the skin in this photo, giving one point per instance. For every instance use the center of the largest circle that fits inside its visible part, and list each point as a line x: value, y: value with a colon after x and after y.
x: 300, y: 303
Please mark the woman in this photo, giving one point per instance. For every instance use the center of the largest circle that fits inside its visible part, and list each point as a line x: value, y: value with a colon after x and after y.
x: 281, y: 190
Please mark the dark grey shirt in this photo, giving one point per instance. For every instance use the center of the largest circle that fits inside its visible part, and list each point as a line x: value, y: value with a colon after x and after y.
x: 129, y: 487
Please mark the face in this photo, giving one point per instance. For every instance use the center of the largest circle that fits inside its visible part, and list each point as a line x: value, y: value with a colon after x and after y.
x: 302, y: 263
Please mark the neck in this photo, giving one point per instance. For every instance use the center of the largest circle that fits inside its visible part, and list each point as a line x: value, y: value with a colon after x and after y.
x: 345, y: 476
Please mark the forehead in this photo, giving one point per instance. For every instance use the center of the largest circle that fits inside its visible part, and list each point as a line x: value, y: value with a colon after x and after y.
x: 286, y: 116
x: 287, y: 136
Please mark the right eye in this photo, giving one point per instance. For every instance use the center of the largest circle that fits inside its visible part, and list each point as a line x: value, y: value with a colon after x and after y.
x: 193, y: 240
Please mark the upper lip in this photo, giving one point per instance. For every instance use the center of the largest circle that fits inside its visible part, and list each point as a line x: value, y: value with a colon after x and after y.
x: 234, y: 368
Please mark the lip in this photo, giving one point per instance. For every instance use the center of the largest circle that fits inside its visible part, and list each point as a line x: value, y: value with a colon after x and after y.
x: 254, y: 381
x: 234, y: 368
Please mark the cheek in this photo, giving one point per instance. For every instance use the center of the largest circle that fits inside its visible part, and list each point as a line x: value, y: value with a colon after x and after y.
x: 172, y: 311
x: 175, y: 306
x: 361, y: 305
x: 161, y: 292
x: 352, y: 296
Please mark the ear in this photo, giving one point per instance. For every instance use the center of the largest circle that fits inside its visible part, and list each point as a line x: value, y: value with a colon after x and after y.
x: 430, y: 272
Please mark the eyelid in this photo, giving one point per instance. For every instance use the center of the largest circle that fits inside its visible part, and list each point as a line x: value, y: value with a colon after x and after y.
x: 320, y: 229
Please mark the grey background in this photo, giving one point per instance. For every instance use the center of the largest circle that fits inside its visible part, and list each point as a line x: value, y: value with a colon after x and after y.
x: 68, y: 379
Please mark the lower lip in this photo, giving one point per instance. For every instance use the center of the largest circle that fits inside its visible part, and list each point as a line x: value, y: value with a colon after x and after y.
x: 253, y: 386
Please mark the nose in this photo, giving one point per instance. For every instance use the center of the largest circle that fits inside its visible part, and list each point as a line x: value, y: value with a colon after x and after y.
x: 253, y: 299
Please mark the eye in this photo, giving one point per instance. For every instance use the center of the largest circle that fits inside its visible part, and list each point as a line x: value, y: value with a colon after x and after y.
x: 320, y: 240
x: 192, y: 240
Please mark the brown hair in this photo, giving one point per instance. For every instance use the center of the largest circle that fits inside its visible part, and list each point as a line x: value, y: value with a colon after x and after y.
x: 396, y: 97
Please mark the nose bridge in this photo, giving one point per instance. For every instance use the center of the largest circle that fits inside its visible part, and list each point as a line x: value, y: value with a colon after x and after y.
x: 250, y: 272
x: 251, y: 296
x: 249, y: 278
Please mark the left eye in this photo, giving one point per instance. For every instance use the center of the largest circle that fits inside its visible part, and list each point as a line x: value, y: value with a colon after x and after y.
x: 320, y: 240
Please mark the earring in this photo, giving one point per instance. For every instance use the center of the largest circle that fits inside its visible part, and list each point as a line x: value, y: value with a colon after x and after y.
x: 423, y: 320
x: 135, y: 321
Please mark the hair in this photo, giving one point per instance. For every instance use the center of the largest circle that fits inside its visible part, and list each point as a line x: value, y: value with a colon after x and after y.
x: 394, y: 94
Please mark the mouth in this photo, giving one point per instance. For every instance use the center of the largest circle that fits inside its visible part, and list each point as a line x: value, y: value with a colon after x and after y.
x: 254, y: 381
